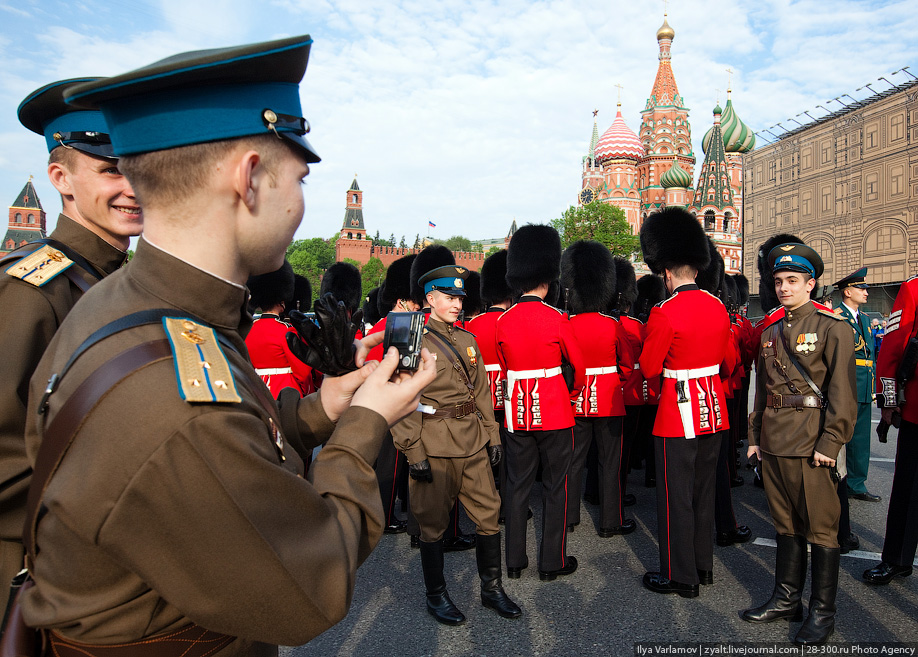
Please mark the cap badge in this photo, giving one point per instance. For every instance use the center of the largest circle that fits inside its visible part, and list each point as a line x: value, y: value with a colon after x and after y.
x: 787, y: 247
x: 786, y: 258
x: 458, y: 283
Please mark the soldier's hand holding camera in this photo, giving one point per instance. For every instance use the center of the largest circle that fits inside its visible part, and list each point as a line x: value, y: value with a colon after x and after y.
x: 495, y: 454
x: 421, y: 471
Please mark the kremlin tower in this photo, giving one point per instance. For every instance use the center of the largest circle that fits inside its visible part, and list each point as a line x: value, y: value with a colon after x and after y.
x: 27, y: 220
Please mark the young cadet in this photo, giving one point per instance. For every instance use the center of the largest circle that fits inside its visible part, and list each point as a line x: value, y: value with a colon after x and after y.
x: 686, y: 341
x: 804, y: 413
x: 897, y: 392
x: 41, y: 281
x: 451, y: 445
x: 853, y: 289
x: 195, y: 531
x: 588, y: 277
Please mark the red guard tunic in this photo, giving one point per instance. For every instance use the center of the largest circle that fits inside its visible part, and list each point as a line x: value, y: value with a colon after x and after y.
x: 376, y: 353
x: 532, y: 339
x: 272, y: 358
x: 687, y: 339
x: 609, y: 361
x: 899, y: 328
x: 484, y: 328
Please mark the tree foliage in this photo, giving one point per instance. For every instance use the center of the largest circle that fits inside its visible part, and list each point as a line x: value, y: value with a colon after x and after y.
x: 372, y: 275
x: 311, y: 257
x: 598, y: 221
x: 458, y: 243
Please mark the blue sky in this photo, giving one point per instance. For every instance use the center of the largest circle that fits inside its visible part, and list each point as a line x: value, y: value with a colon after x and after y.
x: 468, y: 113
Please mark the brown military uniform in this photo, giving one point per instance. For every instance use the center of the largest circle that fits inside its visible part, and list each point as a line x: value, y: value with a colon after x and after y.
x: 802, y: 498
x: 32, y: 315
x: 165, y: 513
x: 454, y: 446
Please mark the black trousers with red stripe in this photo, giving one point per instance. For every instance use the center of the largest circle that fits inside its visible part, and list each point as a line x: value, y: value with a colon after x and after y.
x: 554, y: 449
x: 607, y: 433
x: 902, y: 518
x: 724, y: 517
x: 685, y: 505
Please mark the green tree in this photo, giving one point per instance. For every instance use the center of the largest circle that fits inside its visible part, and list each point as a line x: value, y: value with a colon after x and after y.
x: 376, y: 239
x: 372, y: 275
x: 417, y: 241
x: 458, y: 243
x: 598, y: 221
x: 311, y: 257
x: 402, y: 243
x: 494, y: 249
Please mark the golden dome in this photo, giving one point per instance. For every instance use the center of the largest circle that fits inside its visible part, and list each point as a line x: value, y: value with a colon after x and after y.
x: 665, y: 31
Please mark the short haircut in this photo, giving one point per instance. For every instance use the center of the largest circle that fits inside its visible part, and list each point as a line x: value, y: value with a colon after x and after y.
x: 63, y: 155
x: 684, y: 271
x: 173, y: 175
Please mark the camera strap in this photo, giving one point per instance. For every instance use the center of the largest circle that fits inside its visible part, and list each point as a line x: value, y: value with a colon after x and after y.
x: 454, y: 358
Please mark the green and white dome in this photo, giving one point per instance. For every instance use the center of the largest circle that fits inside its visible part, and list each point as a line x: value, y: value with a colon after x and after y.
x: 738, y: 137
x: 676, y: 177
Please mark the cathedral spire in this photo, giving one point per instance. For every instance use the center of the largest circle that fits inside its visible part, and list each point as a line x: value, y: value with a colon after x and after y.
x: 595, y: 138
x: 665, y: 92
x: 713, y: 188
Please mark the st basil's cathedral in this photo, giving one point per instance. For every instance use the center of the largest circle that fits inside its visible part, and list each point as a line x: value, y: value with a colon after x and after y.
x: 641, y: 173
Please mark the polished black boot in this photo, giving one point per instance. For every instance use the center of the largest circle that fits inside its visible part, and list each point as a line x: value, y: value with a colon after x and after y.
x: 820, y: 623
x: 438, y: 603
x: 493, y: 596
x: 790, y: 572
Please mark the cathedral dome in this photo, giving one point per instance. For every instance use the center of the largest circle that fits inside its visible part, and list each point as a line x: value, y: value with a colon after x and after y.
x: 738, y: 137
x: 676, y: 177
x: 619, y: 141
x: 665, y: 31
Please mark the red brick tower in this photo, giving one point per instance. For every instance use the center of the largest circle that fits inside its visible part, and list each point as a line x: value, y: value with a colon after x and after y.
x: 27, y: 220
x: 352, y: 242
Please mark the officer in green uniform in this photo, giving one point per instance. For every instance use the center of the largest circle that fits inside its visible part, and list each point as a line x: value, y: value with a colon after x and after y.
x: 182, y: 499
x: 451, y: 444
x: 41, y: 281
x: 804, y: 413
x: 853, y: 289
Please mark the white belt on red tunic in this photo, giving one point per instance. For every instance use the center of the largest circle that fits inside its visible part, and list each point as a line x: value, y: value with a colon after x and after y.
x: 685, y: 407
x: 271, y: 371
x: 593, y: 371
x: 519, y: 375
x: 493, y: 367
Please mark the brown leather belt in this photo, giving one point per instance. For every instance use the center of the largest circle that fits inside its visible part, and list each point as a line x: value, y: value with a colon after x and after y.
x: 457, y: 411
x: 190, y: 641
x: 792, y: 401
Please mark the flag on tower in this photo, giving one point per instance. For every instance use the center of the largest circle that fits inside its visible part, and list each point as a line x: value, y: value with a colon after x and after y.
x: 432, y: 224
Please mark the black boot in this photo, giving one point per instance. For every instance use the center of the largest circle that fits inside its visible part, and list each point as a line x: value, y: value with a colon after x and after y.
x: 790, y: 573
x: 493, y: 595
x: 438, y: 603
x: 820, y: 623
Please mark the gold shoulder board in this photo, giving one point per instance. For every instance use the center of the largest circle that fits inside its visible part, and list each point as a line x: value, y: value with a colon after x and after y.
x: 40, y: 266
x: 201, y: 368
x: 831, y: 314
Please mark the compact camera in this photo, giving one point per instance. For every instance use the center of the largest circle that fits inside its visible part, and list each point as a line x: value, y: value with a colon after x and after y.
x: 404, y: 332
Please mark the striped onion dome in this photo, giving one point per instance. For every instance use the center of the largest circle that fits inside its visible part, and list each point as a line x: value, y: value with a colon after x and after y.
x: 738, y: 137
x: 676, y: 177
x: 619, y: 142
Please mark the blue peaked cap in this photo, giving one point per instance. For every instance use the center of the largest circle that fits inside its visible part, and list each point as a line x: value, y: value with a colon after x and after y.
x: 44, y: 112
x: 204, y: 96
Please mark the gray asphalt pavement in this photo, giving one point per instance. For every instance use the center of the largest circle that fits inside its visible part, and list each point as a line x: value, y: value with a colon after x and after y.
x: 603, y: 609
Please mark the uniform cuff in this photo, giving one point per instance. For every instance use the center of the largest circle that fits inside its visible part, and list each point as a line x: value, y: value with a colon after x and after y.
x: 362, y: 430
x: 828, y: 447
x: 415, y: 453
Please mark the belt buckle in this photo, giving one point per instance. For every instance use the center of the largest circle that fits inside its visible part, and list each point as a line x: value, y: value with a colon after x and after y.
x: 777, y: 401
x: 459, y: 412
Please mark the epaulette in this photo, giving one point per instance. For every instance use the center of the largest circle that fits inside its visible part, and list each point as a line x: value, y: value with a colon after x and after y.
x: 829, y: 313
x: 837, y: 311
x: 40, y: 266
x: 464, y: 330
x: 201, y: 369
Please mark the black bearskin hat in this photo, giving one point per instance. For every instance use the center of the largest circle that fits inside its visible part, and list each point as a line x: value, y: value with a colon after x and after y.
x: 626, y: 284
x: 371, y: 313
x: 494, y: 288
x: 302, y: 294
x: 397, y: 284
x: 729, y: 294
x: 651, y: 290
x: 433, y: 256
x: 588, y: 276
x: 742, y: 289
x: 533, y: 258
x: 768, y: 300
x: 672, y: 238
x: 471, y: 302
x: 342, y: 280
x: 272, y: 288
x: 711, y: 278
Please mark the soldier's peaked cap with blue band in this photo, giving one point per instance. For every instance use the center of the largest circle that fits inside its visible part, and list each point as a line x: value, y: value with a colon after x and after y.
x: 795, y: 257
x: 449, y: 280
x: 205, y: 96
x: 44, y: 112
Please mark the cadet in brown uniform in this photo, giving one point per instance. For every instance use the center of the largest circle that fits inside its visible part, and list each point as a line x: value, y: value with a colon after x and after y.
x: 90, y: 241
x: 451, y: 445
x: 804, y: 413
x: 181, y: 499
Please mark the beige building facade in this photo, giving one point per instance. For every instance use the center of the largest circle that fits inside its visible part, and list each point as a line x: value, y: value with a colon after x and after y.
x: 846, y: 185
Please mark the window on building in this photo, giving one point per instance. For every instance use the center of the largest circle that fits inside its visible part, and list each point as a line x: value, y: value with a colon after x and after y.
x: 31, y: 218
x: 355, y: 199
x: 826, y: 152
x: 806, y: 203
x: 871, y: 186
x: 897, y: 127
x: 807, y: 158
x: 709, y: 220
x: 871, y: 136
x: 350, y: 236
x: 896, y: 180
x: 727, y: 219
x: 772, y: 167
x: 826, y: 199
x: 18, y: 217
x: 884, y: 253
x: 824, y: 248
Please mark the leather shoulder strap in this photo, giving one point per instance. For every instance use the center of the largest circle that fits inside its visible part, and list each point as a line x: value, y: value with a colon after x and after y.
x: 453, y: 356
x: 796, y: 363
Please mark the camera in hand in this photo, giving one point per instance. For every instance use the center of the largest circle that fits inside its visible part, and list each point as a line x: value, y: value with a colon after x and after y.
x: 404, y: 332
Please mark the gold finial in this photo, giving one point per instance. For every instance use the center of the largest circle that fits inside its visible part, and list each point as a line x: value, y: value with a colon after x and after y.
x: 595, y: 112
x: 717, y: 96
x: 30, y: 178
x: 620, y: 87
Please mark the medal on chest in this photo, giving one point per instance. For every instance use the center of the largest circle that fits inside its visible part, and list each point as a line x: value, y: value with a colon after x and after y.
x: 806, y: 342
x: 473, y: 359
